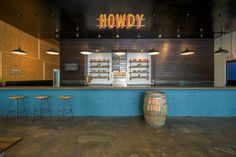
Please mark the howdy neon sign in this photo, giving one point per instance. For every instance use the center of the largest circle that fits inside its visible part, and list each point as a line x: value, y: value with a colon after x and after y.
x: 121, y: 21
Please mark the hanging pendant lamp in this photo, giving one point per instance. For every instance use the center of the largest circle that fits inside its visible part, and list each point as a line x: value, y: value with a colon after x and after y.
x: 187, y: 51
x: 119, y: 52
x: 221, y: 51
x: 222, y: 33
x: 86, y: 52
x: 19, y: 51
x: 52, y: 52
x: 153, y: 52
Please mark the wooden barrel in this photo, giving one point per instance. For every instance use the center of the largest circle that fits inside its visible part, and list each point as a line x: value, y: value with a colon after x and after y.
x: 155, y: 108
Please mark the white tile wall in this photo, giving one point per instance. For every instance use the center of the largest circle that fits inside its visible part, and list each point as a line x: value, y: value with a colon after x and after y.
x: 138, y: 56
x: 100, y: 56
x: 227, y: 42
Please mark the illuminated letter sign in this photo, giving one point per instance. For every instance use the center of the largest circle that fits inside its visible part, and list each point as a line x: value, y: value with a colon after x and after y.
x: 121, y: 21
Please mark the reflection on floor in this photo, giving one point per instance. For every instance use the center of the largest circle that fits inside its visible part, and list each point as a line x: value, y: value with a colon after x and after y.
x: 122, y: 137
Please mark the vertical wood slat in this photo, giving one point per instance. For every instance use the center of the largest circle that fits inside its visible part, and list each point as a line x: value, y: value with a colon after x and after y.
x: 0, y: 65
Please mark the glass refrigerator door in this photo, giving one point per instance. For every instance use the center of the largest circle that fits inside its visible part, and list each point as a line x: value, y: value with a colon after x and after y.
x: 56, y: 77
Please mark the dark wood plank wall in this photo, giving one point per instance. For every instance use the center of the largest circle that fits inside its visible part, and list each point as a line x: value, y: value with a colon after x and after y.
x: 169, y: 68
x: 70, y: 53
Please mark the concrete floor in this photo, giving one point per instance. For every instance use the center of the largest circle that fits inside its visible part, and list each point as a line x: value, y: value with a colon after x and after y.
x: 122, y: 137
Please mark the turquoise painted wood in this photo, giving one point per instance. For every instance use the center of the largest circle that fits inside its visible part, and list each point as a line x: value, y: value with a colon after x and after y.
x: 115, y: 102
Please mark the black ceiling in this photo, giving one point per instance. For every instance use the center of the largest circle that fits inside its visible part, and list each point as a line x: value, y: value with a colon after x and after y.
x: 42, y: 17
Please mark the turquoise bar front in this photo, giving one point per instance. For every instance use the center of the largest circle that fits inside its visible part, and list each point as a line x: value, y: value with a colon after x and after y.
x: 128, y: 102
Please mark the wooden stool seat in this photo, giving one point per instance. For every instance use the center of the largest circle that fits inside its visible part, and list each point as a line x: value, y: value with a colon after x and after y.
x: 16, y: 97
x: 42, y: 97
x: 64, y: 97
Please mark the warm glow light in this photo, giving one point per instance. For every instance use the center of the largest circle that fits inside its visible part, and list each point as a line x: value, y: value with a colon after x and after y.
x: 119, y: 53
x: 86, y: 52
x: 19, y: 51
x: 52, y: 52
x: 153, y: 52
x: 187, y: 52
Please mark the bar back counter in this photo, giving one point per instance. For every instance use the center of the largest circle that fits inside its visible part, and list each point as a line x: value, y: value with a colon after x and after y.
x: 128, y: 101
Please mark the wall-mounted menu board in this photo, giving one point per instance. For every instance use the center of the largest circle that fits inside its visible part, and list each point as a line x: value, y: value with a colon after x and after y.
x: 71, y: 66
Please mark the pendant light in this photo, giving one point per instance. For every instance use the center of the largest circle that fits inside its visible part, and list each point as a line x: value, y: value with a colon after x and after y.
x: 187, y: 51
x: 19, y: 51
x: 52, y: 52
x: 86, y: 52
x: 119, y: 52
x: 221, y: 50
x: 153, y: 52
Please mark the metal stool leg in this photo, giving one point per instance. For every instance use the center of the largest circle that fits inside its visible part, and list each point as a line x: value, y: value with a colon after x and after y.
x: 49, y: 109
x: 9, y: 109
x: 25, y: 110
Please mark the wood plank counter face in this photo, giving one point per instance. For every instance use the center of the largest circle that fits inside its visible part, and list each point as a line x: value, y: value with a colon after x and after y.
x: 110, y: 101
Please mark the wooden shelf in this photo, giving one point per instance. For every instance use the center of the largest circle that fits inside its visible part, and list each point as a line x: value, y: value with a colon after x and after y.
x: 96, y: 64
x: 139, y: 77
x: 100, y: 66
x: 142, y: 66
x: 139, y: 64
x: 97, y: 61
x: 139, y: 72
x: 131, y: 61
x: 99, y: 72
x: 100, y: 77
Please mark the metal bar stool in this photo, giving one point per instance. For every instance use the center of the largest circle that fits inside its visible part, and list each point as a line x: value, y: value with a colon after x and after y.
x: 17, y: 104
x: 65, y: 107
x: 42, y: 106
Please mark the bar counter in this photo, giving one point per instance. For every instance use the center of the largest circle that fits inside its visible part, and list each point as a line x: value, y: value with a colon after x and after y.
x: 127, y: 101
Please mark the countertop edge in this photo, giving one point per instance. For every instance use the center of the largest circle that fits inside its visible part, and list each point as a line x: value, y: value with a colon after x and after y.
x: 113, y: 88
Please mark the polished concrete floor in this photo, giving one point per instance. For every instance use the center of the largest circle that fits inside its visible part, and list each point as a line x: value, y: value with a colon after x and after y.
x: 122, y: 137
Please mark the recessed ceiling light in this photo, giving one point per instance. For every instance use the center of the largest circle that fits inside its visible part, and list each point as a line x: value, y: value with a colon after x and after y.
x: 159, y: 36
x: 117, y: 35
x: 138, y: 36
x: 99, y: 36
